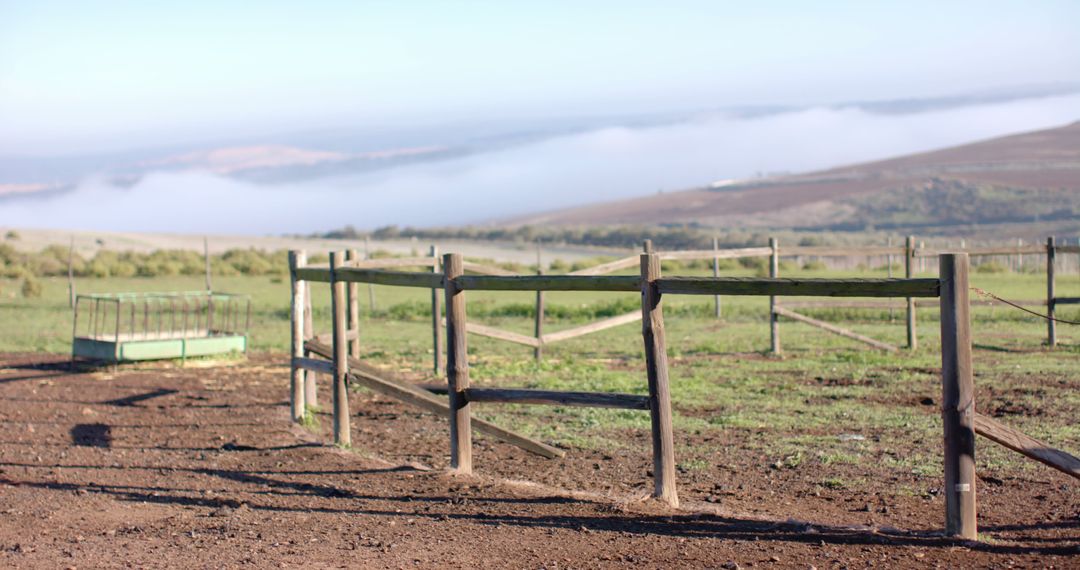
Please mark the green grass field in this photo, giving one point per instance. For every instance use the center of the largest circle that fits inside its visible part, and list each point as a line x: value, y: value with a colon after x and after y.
x: 721, y: 377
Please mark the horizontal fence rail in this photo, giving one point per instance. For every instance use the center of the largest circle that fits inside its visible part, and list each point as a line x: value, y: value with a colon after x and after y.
x: 715, y: 253
x: 799, y: 287
x: 548, y: 283
x: 383, y: 263
x: 821, y: 251
x: 557, y: 398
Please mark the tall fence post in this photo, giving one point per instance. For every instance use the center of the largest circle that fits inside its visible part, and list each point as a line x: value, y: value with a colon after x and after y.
x: 888, y: 269
x: 957, y: 397
x: 1019, y: 254
x: 342, y: 435
x: 353, y: 297
x: 652, y: 330
x: 774, y: 319
x: 71, y: 273
x: 209, y: 288
x: 1051, y: 296
x: 716, y: 271
x: 296, y: 382
x: 311, y: 388
x: 457, y: 367
x: 538, y: 325
x: 436, y: 315
x: 206, y: 260
x: 909, y: 261
x: 370, y: 286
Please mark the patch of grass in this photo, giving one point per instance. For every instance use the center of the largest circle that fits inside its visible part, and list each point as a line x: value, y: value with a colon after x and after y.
x: 835, y: 483
x: 693, y: 464
x: 310, y: 419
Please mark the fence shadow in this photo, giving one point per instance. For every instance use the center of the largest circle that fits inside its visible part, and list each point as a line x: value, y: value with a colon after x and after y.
x: 697, y: 526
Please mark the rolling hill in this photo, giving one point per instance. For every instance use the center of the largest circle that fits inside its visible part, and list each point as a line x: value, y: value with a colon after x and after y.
x: 1023, y: 178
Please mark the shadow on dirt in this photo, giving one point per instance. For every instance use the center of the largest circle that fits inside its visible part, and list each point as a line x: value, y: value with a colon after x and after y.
x: 679, y: 526
x: 91, y: 435
x: 132, y: 400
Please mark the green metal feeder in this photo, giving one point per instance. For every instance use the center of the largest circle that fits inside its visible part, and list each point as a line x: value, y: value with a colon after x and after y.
x: 129, y: 327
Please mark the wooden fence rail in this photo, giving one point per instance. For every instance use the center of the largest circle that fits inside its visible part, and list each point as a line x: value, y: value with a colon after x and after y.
x: 781, y: 311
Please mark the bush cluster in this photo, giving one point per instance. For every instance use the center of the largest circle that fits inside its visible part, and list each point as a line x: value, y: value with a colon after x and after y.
x: 53, y: 262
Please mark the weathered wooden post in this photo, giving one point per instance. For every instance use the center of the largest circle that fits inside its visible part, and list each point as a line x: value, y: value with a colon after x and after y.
x: 1019, y: 255
x: 71, y: 273
x: 353, y: 297
x: 206, y: 259
x: 774, y: 319
x: 716, y: 271
x: 957, y: 397
x: 311, y: 387
x: 652, y: 330
x: 436, y: 315
x: 209, y: 288
x: 909, y: 260
x: 457, y: 366
x: 538, y: 325
x: 370, y: 286
x: 888, y: 266
x: 342, y: 435
x: 1051, y: 297
x: 646, y: 246
x: 296, y: 385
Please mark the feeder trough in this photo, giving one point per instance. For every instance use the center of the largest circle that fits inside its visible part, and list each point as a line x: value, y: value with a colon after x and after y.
x: 128, y: 327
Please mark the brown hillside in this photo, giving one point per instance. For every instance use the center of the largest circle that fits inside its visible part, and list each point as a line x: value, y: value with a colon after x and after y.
x: 1035, y: 161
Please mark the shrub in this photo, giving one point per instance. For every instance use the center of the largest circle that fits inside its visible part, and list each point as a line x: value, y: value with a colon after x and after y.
x: 31, y: 287
x: 990, y: 267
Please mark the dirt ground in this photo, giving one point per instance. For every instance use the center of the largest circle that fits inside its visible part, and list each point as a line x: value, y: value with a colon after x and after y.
x: 200, y: 467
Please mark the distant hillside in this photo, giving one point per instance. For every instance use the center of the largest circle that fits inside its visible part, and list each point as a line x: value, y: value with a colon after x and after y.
x: 1030, y: 177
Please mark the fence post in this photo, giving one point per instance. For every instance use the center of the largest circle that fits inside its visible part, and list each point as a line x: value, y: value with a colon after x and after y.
x: 1051, y: 301
x: 353, y: 297
x: 909, y: 261
x: 957, y: 397
x: 342, y: 435
x: 436, y: 315
x: 296, y: 374
x: 370, y: 286
x: 206, y: 259
x: 716, y: 271
x: 457, y: 366
x: 1019, y: 255
x: 311, y: 389
x: 71, y: 273
x: 538, y: 326
x: 774, y: 319
x: 652, y: 330
x: 888, y: 266
x: 646, y: 246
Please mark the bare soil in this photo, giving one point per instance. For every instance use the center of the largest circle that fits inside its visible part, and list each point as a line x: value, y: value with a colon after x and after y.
x: 200, y: 467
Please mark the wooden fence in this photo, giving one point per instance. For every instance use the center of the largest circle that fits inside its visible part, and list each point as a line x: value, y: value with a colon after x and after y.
x: 910, y: 253
x: 960, y: 422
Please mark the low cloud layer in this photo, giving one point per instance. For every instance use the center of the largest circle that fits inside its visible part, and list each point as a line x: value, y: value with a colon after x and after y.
x: 601, y: 165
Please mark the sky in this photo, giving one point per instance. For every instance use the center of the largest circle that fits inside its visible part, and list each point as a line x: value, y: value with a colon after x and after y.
x: 84, y: 77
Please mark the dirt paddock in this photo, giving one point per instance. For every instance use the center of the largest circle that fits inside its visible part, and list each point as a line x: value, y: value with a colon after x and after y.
x: 200, y: 467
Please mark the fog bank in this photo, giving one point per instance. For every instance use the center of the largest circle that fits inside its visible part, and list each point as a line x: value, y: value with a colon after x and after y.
x: 605, y: 164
